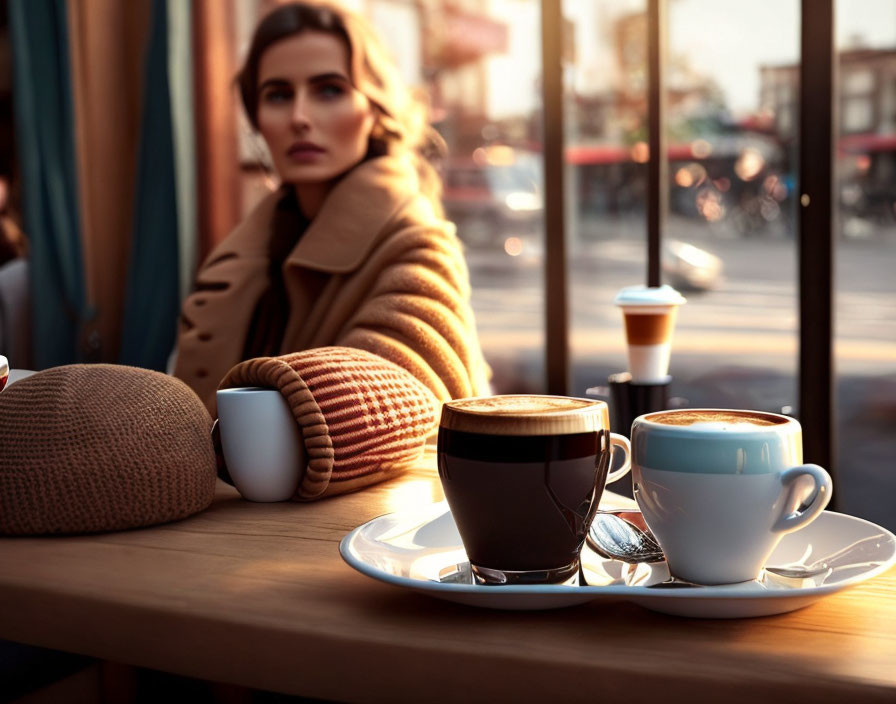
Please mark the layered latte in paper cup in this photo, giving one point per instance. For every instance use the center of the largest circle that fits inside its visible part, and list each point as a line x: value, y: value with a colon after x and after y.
x: 649, y: 314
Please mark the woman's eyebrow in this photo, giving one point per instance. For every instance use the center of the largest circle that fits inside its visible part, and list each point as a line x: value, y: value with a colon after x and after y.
x: 329, y: 76
x: 277, y: 82
x: 318, y: 78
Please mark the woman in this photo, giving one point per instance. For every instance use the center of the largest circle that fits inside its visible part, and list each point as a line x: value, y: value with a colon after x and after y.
x: 352, y: 250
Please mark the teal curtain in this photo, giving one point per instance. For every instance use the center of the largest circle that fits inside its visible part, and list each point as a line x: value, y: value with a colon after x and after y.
x: 152, y: 303
x: 45, y: 131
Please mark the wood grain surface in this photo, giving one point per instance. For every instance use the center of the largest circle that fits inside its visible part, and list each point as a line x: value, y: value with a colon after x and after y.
x: 257, y: 595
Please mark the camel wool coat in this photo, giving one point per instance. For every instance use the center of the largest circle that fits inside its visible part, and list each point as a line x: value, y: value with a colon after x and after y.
x: 376, y: 270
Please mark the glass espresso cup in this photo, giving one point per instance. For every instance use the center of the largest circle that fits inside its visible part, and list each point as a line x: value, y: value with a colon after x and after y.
x: 523, y: 475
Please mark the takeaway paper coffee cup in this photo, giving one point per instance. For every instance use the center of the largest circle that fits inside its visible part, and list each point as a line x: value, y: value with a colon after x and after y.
x: 649, y: 314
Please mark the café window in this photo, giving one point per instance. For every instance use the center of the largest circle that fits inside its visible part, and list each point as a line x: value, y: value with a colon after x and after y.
x: 731, y: 234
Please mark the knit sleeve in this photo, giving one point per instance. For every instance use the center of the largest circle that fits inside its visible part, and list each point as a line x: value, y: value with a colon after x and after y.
x: 417, y: 314
x: 362, y: 418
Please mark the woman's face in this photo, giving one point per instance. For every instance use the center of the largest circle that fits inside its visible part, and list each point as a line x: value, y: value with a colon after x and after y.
x: 315, y: 123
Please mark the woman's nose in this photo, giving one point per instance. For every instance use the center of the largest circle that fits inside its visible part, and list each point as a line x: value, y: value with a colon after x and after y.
x: 300, y: 117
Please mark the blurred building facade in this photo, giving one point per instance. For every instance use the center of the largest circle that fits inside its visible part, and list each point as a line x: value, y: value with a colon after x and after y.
x: 866, y: 154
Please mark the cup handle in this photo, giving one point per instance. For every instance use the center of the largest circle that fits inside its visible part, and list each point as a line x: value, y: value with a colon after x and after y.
x: 617, y: 441
x: 792, y: 520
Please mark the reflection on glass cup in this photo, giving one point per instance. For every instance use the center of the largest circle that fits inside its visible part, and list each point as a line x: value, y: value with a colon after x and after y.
x: 649, y: 314
x: 719, y: 488
x: 261, y: 442
x: 523, y: 476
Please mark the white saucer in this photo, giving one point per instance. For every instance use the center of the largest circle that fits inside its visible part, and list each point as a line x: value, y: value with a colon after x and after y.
x: 421, y: 550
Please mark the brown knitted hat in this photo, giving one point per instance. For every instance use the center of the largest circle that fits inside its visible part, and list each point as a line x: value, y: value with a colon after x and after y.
x: 362, y: 417
x: 86, y: 448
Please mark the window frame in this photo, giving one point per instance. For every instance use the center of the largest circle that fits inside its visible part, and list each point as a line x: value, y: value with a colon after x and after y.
x: 817, y: 119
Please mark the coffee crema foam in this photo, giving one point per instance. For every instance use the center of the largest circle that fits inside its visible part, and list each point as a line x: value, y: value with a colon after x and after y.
x: 717, y: 418
x: 525, y: 414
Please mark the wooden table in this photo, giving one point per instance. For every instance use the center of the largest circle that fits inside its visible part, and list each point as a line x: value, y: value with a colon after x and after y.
x: 257, y: 594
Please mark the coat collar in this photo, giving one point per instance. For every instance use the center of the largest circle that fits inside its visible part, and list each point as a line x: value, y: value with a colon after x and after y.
x: 350, y: 220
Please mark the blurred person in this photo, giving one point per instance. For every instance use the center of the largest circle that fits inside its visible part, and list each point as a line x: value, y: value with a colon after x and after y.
x: 12, y: 240
x: 15, y: 290
x: 352, y: 250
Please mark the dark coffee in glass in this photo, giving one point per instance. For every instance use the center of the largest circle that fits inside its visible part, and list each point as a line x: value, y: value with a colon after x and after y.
x: 523, y: 476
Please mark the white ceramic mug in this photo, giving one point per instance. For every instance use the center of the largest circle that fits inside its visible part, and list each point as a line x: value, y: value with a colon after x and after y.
x: 718, y: 488
x: 261, y: 442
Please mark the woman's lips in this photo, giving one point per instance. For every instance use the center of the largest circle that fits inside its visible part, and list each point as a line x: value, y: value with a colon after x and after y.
x: 304, y: 151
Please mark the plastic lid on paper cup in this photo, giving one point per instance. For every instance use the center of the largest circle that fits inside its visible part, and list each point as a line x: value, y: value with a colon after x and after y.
x: 663, y: 295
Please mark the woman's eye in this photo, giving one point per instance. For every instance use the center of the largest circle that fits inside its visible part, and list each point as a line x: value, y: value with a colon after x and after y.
x: 277, y: 95
x: 330, y: 90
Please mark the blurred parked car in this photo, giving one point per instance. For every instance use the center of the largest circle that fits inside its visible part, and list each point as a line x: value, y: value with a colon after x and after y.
x: 690, y: 268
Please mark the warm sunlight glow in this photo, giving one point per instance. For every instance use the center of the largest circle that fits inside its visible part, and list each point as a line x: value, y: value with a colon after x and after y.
x: 683, y: 178
x: 691, y: 175
x: 749, y: 164
x: 775, y: 187
x: 640, y: 152
x: 498, y: 155
x: 522, y: 201
x: 413, y: 492
x: 701, y: 149
x: 709, y: 205
x: 513, y: 246
x: 480, y: 157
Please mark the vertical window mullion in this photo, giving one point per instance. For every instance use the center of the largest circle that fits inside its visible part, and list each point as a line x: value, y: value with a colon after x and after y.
x: 556, y: 300
x: 816, y: 232
x: 657, y: 164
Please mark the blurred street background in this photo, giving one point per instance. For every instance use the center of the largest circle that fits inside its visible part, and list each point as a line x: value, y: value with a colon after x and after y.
x: 133, y: 157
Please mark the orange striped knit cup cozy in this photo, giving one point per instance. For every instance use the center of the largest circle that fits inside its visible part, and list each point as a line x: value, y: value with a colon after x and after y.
x: 363, y: 418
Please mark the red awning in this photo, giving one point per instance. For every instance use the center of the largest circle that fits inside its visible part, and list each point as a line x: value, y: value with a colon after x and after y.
x: 867, y: 143
x: 614, y: 154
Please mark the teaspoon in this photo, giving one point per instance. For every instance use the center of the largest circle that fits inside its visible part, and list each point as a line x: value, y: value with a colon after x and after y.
x: 623, y: 535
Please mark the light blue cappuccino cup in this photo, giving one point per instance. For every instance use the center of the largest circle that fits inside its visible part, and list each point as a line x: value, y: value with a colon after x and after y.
x: 719, y: 488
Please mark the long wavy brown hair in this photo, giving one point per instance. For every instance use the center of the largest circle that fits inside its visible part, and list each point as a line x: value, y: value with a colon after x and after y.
x: 402, y: 123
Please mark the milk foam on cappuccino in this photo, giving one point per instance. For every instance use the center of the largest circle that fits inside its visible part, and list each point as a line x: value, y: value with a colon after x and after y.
x: 716, y: 420
x: 649, y: 314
